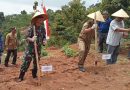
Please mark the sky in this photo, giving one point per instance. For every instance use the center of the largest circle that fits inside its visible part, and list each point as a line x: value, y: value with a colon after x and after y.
x: 16, y: 6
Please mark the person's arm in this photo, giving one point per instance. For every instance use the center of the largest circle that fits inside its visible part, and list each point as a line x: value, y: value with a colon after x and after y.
x: 91, y: 28
x: 122, y: 30
x: 7, y: 40
x: 88, y: 30
x: 29, y: 34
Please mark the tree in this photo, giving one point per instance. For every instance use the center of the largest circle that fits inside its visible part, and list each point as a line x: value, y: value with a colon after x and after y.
x: 74, y: 15
x: 23, y: 12
x: 114, y: 5
x: 2, y: 18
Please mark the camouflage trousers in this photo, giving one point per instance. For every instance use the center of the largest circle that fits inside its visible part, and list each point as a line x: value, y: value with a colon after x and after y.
x: 84, y: 47
x: 27, y: 60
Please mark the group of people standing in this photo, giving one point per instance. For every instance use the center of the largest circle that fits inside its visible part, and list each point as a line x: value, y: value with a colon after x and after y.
x: 11, y: 43
x: 110, y: 34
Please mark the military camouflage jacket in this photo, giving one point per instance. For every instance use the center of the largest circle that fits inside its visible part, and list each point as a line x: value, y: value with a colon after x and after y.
x: 40, y: 33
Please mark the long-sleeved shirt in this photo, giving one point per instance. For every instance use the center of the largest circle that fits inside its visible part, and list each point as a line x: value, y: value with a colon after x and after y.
x: 113, y: 37
x: 104, y: 26
x: 40, y: 33
x: 11, y: 41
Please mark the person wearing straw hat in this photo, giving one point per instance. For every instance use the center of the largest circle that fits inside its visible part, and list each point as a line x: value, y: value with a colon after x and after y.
x: 11, y: 44
x: 103, y: 28
x: 40, y: 39
x: 116, y: 32
x: 1, y: 45
x: 84, y: 41
x: 85, y: 37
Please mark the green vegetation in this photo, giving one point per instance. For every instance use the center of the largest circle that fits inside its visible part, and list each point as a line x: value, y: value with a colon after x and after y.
x: 44, y: 52
x: 20, y: 21
x: 69, y: 52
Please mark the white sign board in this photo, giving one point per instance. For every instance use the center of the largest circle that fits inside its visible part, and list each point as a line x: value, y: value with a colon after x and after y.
x: 47, y: 68
x: 106, y: 56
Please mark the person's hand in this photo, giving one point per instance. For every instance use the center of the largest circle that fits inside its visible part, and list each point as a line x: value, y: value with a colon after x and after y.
x: 34, y: 38
x: 94, y: 26
x: 125, y: 34
x: 128, y: 29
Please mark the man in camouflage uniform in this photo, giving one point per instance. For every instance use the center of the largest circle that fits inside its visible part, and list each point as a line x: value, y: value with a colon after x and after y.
x: 84, y: 41
x: 37, y: 20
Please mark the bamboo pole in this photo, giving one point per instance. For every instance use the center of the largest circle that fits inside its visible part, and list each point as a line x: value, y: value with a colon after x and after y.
x: 96, y: 47
x: 36, y: 54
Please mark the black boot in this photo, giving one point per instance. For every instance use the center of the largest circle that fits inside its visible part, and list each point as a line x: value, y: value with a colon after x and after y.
x: 21, y: 75
x: 34, y: 73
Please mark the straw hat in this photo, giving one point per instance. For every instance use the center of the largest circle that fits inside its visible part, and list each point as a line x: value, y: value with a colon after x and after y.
x: 120, y: 13
x: 96, y: 15
x: 38, y: 14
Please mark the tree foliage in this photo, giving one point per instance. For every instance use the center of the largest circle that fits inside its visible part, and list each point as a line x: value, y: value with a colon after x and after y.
x: 2, y: 18
x: 23, y: 12
x: 66, y: 24
x: 68, y: 21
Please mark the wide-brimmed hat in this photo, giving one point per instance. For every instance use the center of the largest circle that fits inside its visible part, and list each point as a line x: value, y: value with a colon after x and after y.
x: 96, y: 15
x: 38, y: 14
x: 120, y: 13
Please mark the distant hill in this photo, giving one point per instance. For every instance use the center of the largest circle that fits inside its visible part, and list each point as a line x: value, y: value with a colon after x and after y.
x: 19, y: 21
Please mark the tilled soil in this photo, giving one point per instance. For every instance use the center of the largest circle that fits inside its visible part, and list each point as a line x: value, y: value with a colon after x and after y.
x: 66, y: 76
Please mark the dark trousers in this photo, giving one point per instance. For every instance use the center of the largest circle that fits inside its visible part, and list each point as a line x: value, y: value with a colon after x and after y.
x: 114, y: 51
x: 102, y: 40
x: 26, y: 63
x: 9, y: 52
x: 83, y: 51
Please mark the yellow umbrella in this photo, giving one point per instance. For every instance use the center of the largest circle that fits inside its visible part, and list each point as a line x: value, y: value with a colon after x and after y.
x: 98, y: 16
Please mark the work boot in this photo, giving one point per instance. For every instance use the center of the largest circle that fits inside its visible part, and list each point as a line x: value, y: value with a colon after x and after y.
x: 21, y: 75
x: 34, y: 73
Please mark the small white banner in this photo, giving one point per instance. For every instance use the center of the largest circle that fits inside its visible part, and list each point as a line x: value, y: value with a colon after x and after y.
x: 106, y: 56
x: 47, y: 68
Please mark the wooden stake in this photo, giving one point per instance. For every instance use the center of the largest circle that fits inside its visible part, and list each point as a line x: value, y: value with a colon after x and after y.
x: 36, y: 54
x: 96, y: 47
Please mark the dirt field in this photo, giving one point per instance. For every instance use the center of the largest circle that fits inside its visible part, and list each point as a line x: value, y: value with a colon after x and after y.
x: 66, y: 76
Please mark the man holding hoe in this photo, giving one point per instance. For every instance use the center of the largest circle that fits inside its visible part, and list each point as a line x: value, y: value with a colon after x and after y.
x: 35, y: 34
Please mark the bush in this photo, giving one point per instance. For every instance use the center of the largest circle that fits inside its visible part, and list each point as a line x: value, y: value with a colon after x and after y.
x: 44, y: 52
x: 56, y: 41
x: 69, y: 52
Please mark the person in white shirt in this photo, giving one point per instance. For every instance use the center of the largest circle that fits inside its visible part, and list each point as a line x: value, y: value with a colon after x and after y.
x: 116, y: 32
